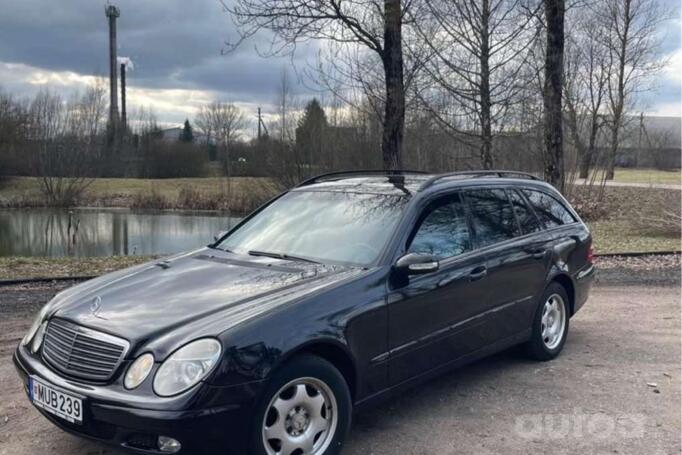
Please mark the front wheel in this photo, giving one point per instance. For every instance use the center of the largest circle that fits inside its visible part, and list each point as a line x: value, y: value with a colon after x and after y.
x: 550, y: 326
x: 305, y: 410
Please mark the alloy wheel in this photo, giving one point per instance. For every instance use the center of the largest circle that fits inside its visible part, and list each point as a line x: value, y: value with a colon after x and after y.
x: 301, y: 419
x: 553, y: 322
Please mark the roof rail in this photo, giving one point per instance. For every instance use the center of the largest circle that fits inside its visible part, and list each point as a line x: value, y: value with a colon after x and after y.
x: 499, y: 174
x: 368, y: 172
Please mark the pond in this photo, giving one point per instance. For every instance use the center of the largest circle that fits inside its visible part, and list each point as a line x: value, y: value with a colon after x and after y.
x: 106, y: 232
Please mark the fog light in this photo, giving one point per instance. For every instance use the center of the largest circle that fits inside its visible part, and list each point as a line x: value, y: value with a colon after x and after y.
x: 169, y: 445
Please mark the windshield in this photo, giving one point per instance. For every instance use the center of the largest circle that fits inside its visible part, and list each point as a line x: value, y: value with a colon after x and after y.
x: 320, y: 226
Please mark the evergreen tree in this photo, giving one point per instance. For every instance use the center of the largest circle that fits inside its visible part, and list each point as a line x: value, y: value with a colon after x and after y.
x: 311, y: 133
x: 187, y: 135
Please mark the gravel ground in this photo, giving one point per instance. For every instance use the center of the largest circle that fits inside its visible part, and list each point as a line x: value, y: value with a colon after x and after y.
x: 614, y: 390
x: 651, y: 270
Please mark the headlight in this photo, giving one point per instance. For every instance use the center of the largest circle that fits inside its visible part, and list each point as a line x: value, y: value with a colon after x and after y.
x: 36, y: 325
x: 138, y: 371
x: 186, y: 366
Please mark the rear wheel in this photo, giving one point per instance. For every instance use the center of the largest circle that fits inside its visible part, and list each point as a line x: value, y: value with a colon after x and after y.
x: 305, y: 410
x: 550, y: 326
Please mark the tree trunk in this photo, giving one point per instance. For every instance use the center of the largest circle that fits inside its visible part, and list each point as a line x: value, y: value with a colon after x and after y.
x: 486, y: 129
x: 586, y: 160
x: 613, y: 149
x: 394, y: 114
x: 617, y: 123
x: 619, y: 107
x: 554, y: 71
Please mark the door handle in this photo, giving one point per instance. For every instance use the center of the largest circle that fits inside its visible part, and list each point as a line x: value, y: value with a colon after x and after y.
x: 478, y: 273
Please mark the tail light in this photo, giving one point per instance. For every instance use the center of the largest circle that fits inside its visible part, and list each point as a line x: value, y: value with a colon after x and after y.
x: 590, y: 255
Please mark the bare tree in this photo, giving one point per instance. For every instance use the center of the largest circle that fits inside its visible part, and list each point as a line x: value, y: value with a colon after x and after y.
x: 67, y: 137
x: 221, y: 121
x: 552, y: 93
x: 286, y: 109
x: 633, y: 41
x: 224, y: 123
x: 480, y: 50
x: 366, y: 24
x: 287, y: 165
x: 587, y: 73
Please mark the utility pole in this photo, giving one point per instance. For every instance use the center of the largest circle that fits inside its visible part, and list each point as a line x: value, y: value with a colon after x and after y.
x: 124, y: 121
x: 259, y: 122
x: 112, y: 13
x: 639, y: 139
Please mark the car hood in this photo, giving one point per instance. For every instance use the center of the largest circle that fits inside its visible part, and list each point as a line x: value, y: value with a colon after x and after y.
x: 145, y: 301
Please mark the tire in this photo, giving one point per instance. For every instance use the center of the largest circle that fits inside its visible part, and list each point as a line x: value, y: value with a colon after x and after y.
x: 305, y: 406
x: 545, y: 343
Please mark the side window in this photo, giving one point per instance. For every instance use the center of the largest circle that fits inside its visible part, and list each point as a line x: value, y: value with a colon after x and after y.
x: 492, y: 216
x: 527, y: 219
x: 550, y: 211
x: 442, y: 230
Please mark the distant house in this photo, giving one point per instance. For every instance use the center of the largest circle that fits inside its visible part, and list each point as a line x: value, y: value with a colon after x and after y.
x: 651, y: 141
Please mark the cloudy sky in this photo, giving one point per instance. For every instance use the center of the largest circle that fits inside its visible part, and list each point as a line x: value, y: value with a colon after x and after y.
x: 176, y: 47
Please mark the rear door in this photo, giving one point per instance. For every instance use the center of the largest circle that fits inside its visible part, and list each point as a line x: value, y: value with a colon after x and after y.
x: 437, y: 317
x: 568, y: 247
x: 508, y: 231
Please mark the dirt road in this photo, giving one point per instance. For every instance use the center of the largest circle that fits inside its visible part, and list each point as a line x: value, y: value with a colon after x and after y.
x: 614, y: 390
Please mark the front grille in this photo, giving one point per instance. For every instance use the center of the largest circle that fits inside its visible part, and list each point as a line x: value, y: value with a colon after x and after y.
x: 81, y: 352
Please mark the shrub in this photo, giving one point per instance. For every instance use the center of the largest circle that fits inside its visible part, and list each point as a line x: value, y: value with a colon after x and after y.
x: 171, y: 160
x: 152, y: 200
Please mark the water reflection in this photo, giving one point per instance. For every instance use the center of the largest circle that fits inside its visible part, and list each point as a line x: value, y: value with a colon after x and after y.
x: 55, y: 233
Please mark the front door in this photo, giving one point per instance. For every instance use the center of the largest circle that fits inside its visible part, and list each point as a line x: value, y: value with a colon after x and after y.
x: 437, y: 317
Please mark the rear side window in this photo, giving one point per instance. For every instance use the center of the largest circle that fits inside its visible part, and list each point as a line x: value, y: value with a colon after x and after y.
x: 443, y: 230
x: 550, y: 211
x: 492, y: 216
x: 527, y: 219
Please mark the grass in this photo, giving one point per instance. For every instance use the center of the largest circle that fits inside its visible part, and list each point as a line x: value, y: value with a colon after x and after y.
x: 106, y: 187
x: 621, y: 237
x: 631, y: 220
x: 13, y: 267
x: 648, y: 176
x: 238, y: 194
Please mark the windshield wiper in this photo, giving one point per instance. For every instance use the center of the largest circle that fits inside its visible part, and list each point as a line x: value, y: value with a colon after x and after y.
x: 280, y: 256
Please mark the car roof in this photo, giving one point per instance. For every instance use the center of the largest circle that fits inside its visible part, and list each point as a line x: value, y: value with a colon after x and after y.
x: 411, y: 182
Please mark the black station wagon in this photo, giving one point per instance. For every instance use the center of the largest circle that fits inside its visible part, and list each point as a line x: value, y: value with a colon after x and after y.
x: 334, y: 295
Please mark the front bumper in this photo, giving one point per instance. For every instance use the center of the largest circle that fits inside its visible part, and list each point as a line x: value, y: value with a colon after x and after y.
x: 215, y: 419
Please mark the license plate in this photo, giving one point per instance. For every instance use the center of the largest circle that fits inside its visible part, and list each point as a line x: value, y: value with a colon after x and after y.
x: 55, y: 402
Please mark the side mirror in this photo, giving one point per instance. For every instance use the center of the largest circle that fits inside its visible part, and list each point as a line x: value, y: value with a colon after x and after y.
x: 219, y: 235
x: 417, y: 264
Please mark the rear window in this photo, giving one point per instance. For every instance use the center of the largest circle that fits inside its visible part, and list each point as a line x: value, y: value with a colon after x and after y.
x: 492, y: 216
x: 550, y: 211
x: 527, y: 219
